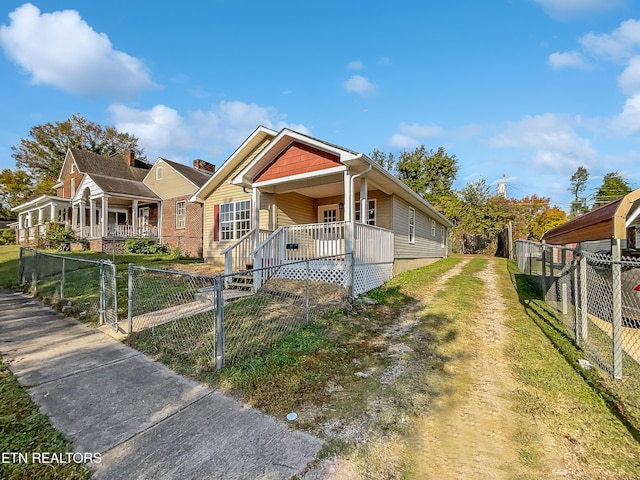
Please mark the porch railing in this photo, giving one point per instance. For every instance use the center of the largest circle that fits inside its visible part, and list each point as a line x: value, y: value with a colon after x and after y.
x: 117, y: 231
x: 371, y: 245
x: 239, y: 256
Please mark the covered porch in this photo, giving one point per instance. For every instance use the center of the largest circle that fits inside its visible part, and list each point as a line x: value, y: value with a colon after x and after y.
x: 34, y: 217
x: 101, y: 215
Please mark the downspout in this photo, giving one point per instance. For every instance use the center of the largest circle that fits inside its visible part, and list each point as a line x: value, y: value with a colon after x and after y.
x: 350, y: 229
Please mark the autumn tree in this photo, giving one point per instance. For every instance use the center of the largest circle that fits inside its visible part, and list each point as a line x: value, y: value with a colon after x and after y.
x: 578, y: 183
x: 614, y: 186
x: 41, y: 154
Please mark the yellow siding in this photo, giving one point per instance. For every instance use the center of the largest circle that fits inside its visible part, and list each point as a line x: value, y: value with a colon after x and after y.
x: 171, y: 185
x: 223, y: 194
x: 295, y: 209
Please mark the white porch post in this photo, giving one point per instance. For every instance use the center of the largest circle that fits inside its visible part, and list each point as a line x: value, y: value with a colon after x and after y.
x: 159, y: 227
x: 134, y: 217
x: 52, y: 214
x: 105, y: 215
x: 74, y: 216
x: 255, y: 216
x: 348, y: 198
x: 40, y: 216
x: 92, y: 217
x: 82, y: 212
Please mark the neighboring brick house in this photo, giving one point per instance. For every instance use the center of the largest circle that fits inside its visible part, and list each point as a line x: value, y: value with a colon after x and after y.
x: 106, y: 199
x: 180, y: 223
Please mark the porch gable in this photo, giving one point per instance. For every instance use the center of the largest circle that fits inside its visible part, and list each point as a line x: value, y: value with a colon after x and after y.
x: 298, y: 159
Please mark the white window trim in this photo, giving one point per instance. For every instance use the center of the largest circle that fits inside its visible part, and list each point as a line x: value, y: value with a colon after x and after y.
x: 181, y: 216
x: 236, y: 232
x: 412, y: 225
x: 357, y: 212
x: 159, y: 172
x: 433, y: 227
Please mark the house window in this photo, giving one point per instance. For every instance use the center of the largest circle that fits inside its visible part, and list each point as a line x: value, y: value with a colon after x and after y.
x: 235, y: 220
x: 159, y: 172
x: 433, y: 228
x: 73, y: 187
x: 370, y: 217
x: 181, y: 211
x: 442, y: 237
x: 73, y: 168
x: 412, y: 225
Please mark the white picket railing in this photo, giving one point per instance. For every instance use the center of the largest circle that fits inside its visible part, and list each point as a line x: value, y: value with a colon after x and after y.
x: 239, y: 256
x: 372, y: 244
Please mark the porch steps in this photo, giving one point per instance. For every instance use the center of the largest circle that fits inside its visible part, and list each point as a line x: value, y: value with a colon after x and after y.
x: 241, y: 281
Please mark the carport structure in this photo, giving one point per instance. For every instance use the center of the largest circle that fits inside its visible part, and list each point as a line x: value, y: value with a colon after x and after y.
x: 616, y: 222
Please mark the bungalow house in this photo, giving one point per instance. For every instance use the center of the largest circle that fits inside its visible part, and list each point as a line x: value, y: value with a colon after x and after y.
x: 90, y: 185
x: 180, y: 224
x: 285, y: 196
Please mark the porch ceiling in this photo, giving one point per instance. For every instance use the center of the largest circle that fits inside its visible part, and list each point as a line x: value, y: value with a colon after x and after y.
x: 318, y: 187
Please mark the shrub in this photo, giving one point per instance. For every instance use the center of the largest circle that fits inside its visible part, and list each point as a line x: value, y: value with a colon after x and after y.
x: 7, y: 236
x: 58, y: 236
x: 143, y: 245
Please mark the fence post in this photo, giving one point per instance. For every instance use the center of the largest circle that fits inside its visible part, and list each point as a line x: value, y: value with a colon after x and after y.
x: 130, y: 297
x: 101, y: 312
x: 584, y: 305
x: 34, y: 275
x: 307, y: 292
x: 616, y: 320
x: 62, y: 280
x: 20, y: 267
x: 544, y: 271
x: 219, y: 304
x: 576, y: 300
x: 563, y: 295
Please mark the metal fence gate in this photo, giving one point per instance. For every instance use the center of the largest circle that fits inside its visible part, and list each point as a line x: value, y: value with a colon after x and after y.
x: 82, y: 288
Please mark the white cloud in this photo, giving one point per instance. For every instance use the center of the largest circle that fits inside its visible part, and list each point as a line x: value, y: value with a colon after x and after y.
x: 619, y: 45
x: 563, y: 9
x: 628, y: 121
x: 355, y: 65
x: 62, y: 50
x: 163, y: 132
x: 553, y: 144
x: 567, y: 59
x: 360, y: 85
x: 412, y: 135
x: 629, y: 79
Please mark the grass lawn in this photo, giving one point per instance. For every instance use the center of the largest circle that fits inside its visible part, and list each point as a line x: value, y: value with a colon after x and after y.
x: 23, y: 429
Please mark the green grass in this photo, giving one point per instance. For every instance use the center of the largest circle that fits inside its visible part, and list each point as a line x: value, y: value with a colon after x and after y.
x: 9, y: 255
x: 24, y: 430
x: 576, y: 405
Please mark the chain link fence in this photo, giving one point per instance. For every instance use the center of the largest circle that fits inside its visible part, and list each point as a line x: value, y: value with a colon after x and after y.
x: 82, y: 288
x: 597, y: 298
x: 598, y: 301
x: 216, y: 321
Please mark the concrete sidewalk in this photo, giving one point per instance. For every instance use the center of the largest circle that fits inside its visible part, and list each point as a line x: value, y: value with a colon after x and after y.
x: 145, y: 420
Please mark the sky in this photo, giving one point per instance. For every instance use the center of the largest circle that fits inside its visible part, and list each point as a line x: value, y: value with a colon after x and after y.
x: 523, y: 89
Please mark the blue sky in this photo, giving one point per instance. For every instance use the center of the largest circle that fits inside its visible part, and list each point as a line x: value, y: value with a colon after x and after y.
x: 528, y: 88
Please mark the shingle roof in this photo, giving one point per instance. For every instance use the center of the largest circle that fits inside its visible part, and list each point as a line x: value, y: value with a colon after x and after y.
x: 122, y: 186
x: 114, y: 166
x: 196, y: 177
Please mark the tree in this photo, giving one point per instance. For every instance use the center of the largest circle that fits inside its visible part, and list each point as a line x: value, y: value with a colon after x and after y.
x: 578, y: 184
x: 42, y: 154
x: 386, y: 160
x: 15, y: 187
x: 613, y: 187
x: 428, y: 173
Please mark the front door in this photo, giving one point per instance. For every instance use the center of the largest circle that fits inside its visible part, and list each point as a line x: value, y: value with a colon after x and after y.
x: 329, y: 237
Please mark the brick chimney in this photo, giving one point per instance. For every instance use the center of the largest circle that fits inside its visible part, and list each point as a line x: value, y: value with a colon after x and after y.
x: 130, y: 158
x: 204, y: 166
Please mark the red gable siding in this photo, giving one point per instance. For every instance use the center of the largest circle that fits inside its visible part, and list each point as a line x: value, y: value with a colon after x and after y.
x: 298, y: 159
